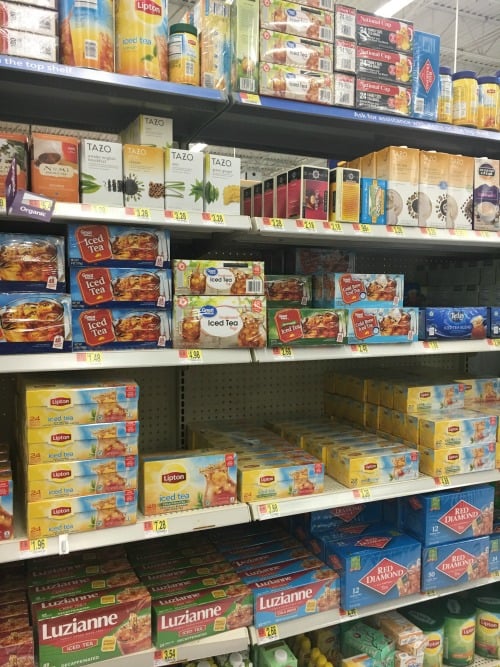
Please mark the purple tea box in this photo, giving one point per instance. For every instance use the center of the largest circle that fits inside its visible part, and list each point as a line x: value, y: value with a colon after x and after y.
x: 280, y: 569
x: 454, y: 563
x: 436, y: 518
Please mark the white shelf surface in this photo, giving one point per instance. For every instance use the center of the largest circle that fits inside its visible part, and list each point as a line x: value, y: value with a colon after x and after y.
x: 337, y: 495
x: 174, y: 523
x: 224, y: 642
x: 334, y: 616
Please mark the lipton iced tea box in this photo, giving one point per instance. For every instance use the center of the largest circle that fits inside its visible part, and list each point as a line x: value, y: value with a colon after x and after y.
x: 450, y: 564
x: 55, y: 166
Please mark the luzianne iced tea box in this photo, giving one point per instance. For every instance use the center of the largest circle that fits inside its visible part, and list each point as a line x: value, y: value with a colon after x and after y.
x: 280, y: 569
x: 451, y: 564
x: 50, y: 571
x: 436, y: 518
x: 80, y: 586
x: 269, y: 480
x: 161, y: 590
x: 17, y: 647
x: 376, y: 567
x: 186, y: 573
x: 456, y: 428
x: 201, y: 478
x: 101, y: 172
x: 457, y: 460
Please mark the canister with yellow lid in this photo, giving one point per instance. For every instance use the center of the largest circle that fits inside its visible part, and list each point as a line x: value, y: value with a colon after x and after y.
x: 465, y: 92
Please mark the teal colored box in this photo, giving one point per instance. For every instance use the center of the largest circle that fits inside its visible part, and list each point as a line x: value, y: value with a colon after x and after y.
x: 425, y: 80
x: 373, y: 201
x: 448, y: 516
x: 376, y: 567
x: 446, y: 565
x: 381, y: 325
x: 341, y: 290
x: 493, y: 322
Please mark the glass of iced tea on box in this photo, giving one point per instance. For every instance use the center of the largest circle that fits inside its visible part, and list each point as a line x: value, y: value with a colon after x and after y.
x: 191, y: 328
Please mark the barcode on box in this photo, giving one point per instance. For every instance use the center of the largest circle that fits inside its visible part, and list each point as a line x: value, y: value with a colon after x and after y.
x: 346, y: 63
x: 189, y: 68
x: 219, y: 9
x: 325, y: 96
x: 253, y: 287
x: 90, y: 49
x: 208, y: 80
x: 326, y: 34
x: 247, y: 85
x: 325, y: 65
x: 419, y: 105
x: 343, y: 98
x: 346, y: 30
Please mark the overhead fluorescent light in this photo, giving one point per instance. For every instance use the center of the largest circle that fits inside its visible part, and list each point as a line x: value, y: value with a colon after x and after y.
x: 197, y: 148
x: 392, y: 7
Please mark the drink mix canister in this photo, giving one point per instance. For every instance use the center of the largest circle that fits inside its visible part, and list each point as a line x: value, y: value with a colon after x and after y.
x: 183, y: 54
x: 487, y: 604
x: 465, y: 92
x: 141, y: 38
x: 432, y: 625
x: 459, y: 632
x: 445, y: 96
x: 86, y: 35
x: 488, y: 109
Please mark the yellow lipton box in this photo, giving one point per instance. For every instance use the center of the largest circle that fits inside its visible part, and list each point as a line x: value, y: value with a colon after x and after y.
x: 457, y: 428
x: 266, y: 479
x: 169, y: 482
x: 373, y: 442
x: 53, y: 403
x: 378, y: 466
x: 457, y: 460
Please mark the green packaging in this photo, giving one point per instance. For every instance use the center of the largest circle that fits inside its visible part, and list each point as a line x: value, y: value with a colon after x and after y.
x: 245, y: 46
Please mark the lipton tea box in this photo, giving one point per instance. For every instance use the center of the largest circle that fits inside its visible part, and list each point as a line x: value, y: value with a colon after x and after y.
x: 55, y: 166
x: 450, y: 564
x: 267, y: 479
x: 457, y: 460
x: 457, y: 428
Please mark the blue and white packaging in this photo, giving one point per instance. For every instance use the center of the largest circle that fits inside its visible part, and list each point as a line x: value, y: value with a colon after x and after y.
x: 425, y: 79
x: 328, y: 519
x: 494, y: 555
x: 339, y: 290
x: 382, y: 325
x: 445, y: 565
x: 453, y: 323
x: 493, y: 322
x: 373, y: 201
x: 30, y: 263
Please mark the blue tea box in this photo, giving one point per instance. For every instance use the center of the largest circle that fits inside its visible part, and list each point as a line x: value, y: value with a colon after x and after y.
x: 329, y: 519
x: 454, y: 563
x: 453, y: 323
x: 425, y: 79
x: 381, y: 325
x: 320, y: 542
x: 493, y: 322
x: 447, y: 516
x: 373, y: 201
x: 376, y: 567
x: 340, y: 290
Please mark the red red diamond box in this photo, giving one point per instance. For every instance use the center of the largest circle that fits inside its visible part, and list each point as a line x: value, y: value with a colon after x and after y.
x: 446, y: 565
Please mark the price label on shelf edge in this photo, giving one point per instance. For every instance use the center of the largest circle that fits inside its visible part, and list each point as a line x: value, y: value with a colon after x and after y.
x: 156, y: 527
x: 33, y: 548
x: 268, y: 510
x: 362, y: 493
x: 428, y: 231
x: 283, y: 353
x: 495, y: 342
x: 442, y: 481
x: 3, y: 204
x: 139, y: 213
x: 216, y: 218
x: 90, y: 357
x: 360, y: 227
x: 361, y: 348
x: 335, y: 227
x: 178, y: 216
x: 396, y: 229
x: 306, y: 225
x: 268, y: 634
x: 273, y: 223
x: 166, y: 656
x: 431, y: 345
x: 250, y: 98
x: 191, y: 355
x: 350, y: 613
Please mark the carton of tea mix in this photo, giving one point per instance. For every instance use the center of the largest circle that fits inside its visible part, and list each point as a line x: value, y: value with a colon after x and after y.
x: 306, y: 326
x: 382, y: 325
x: 453, y: 563
x: 101, y: 172
x: 30, y: 263
x: 399, y: 166
x: 457, y: 460
x: 218, y: 277
x: 294, y: 83
x: 222, y: 184
x: 149, y: 130
x: 486, y: 194
x: 143, y: 176
x: 183, y: 180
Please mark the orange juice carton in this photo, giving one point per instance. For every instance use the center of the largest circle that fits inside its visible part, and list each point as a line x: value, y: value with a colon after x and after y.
x: 32, y: 263
x: 363, y: 289
x: 451, y: 564
x: 486, y: 194
x: 456, y: 428
x: 453, y: 323
x: 183, y: 180
x: 219, y: 322
x: 433, y: 189
x: 80, y: 586
x: 96, y: 285
x: 457, y: 460
x: 28, y: 45
x: 270, y: 480
x: 222, y: 184
x: 373, y: 201
x: 47, y: 518
x: 101, y: 172
x: 420, y: 398
x: 377, y: 466
x: 80, y: 478
x: 172, y: 483
x: 293, y: 83
x: 344, y: 22
x: 306, y: 326
x: 293, y: 19
x: 13, y: 146
x: 165, y: 589
x: 218, y: 277
x: 377, y: 567
x: 460, y: 192
x: 344, y: 55
x: 67, y: 442
x: 33, y: 322
x: 118, y: 245
x: 288, y: 290
x: 382, y: 325
x: 383, y: 97
x: 146, y: 130
x: 97, y: 625
x: 436, y: 518
x: 305, y: 53
x: 143, y: 176
x: 383, y: 65
x: 17, y: 647
x: 399, y: 166
x: 344, y: 195
x: 384, y: 33
x: 183, y: 618
x: 55, y: 166
x: 280, y: 569
x: 55, y: 403
x: 295, y: 595
x: 344, y: 86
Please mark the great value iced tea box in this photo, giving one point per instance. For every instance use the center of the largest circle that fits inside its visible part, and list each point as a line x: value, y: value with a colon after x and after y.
x: 286, y: 81
x: 93, y: 626
x: 30, y: 263
x: 294, y: 19
x: 453, y: 323
x: 378, y: 466
x: 80, y: 586
x: 414, y: 397
x: 80, y: 478
x: 68, y: 442
x: 382, y: 325
x: 306, y: 326
x: 375, y: 568
x: 183, y: 618
x: 218, y: 277
x: 295, y: 595
x: 47, y: 518
x: 79, y: 402
x: 282, y: 49
x: 453, y: 563
x: 457, y: 460
x: 456, y: 428
x: 171, y: 483
x: 435, y: 518
x: 363, y: 289
x: 95, y: 286
x: 118, y: 245
x: 288, y: 290
x: 55, y: 166
x: 269, y: 480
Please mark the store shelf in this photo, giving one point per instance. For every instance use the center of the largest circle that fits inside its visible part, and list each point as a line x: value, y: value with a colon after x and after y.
x: 337, y: 495
x: 224, y: 642
x: 334, y: 616
x: 275, y: 124
x: 145, y: 528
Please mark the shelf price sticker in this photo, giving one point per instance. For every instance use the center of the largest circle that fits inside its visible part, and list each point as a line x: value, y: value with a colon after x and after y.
x: 428, y: 231
x: 306, y: 225
x: 282, y: 353
x: 139, y: 213
x: 364, y: 229
x: 442, y: 481
x: 268, y: 510
x: 3, y: 204
x: 459, y: 232
x: 98, y: 210
x: 431, y: 345
x: 33, y: 548
x: 167, y: 656
x: 334, y: 227
x: 395, y: 229
x: 362, y: 494
x: 268, y: 634
x: 361, y: 348
x: 273, y: 223
x: 250, y: 98
x: 178, y: 216
x: 483, y: 234
x: 215, y: 218
x: 156, y: 528
x: 349, y: 613
x: 495, y: 342
x: 190, y: 355
x: 90, y: 357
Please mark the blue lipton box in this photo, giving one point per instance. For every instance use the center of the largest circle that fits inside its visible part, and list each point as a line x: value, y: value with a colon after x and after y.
x: 376, y: 567
x: 445, y: 565
x: 448, y: 516
x: 453, y: 323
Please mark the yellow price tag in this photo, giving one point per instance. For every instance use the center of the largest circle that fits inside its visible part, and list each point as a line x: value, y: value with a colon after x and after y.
x: 39, y: 546
x: 430, y: 231
x: 142, y: 213
x: 363, y: 493
x: 269, y: 634
x: 431, y: 345
x: 268, y: 510
x: 3, y: 203
x: 250, y: 98
x: 459, y: 232
x: 286, y: 352
x: 169, y: 654
x: 494, y: 341
x: 275, y: 223
x: 365, y: 229
x: 336, y: 227
x: 180, y: 216
x: 362, y: 348
x: 306, y: 225
x: 99, y: 209
x: 396, y: 229
x: 218, y: 218
x: 194, y: 355
x: 483, y: 234
x: 160, y: 525
x: 443, y: 481
x: 94, y: 357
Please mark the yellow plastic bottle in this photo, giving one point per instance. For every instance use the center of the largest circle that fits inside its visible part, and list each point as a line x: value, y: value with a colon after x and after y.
x: 303, y: 652
x: 315, y: 653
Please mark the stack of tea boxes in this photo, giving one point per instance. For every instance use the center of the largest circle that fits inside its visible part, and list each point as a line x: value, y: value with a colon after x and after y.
x: 7, y: 518
x: 78, y: 446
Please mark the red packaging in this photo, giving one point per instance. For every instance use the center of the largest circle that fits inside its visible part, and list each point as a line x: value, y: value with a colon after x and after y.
x: 307, y: 193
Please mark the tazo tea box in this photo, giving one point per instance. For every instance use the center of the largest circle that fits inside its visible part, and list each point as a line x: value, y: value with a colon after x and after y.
x: 344, y: 195
x: 222, y: 184
x: 143, y: 176
x: 307, y: 193
x: 399, y: 166
x: 183, y: 180
x: 486, y: 194
x: 245, y: 46
x: 13, y: 146
x: 54, y: 166
x: 101, y: 172
x: 149, y: 131
x: 433, y: 189
x: 460, y: 192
